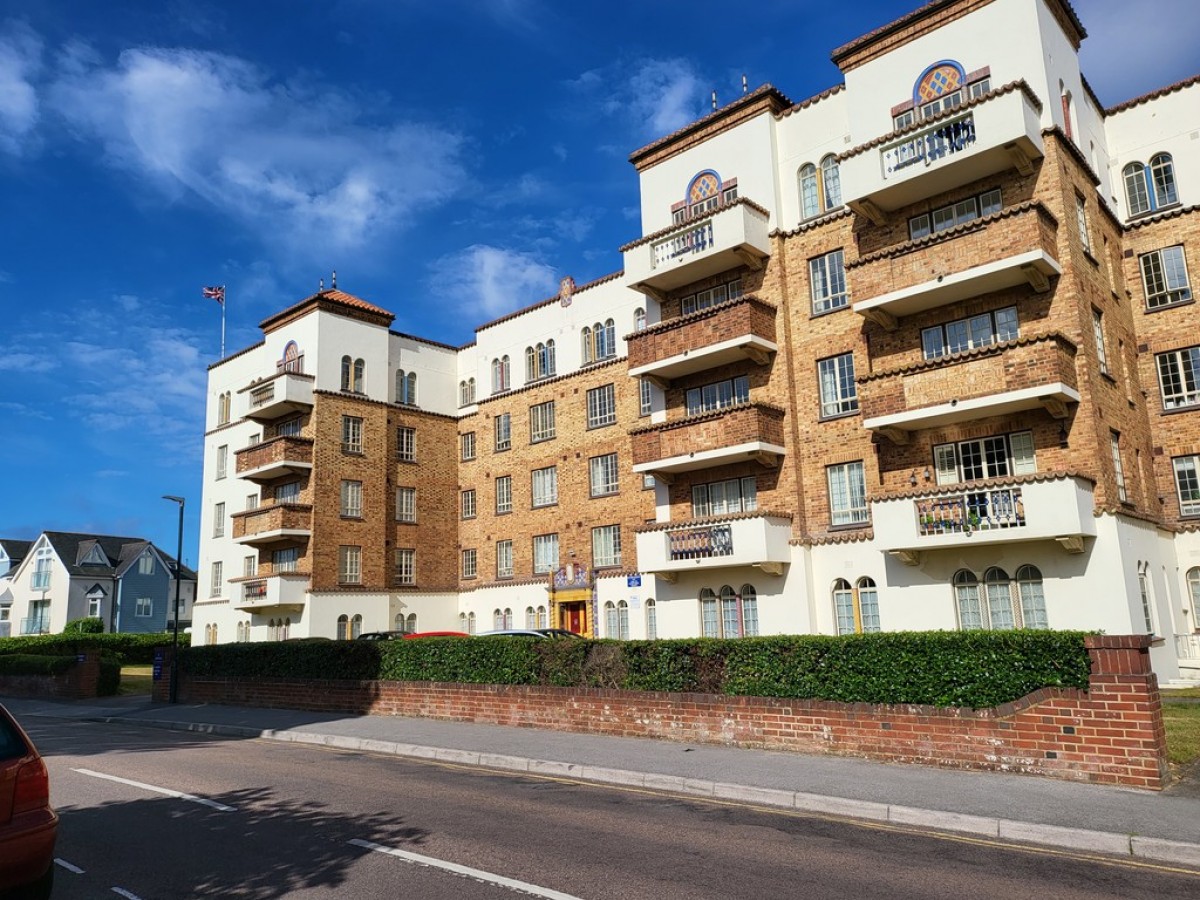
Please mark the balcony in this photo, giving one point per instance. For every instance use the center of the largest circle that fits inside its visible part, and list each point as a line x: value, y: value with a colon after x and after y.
x: 730, y: 332
x: 1022, y: 374
x: 750, y: 539
x: 1055, y: 506
x: 279, y: 523
x: 750, y: 432
x: 275, y: 458
x: 283, y: 394
x: 930, y: 272
x: 285, y: 590
x: 730, y: 236
x: 999, y: 131
x: 36, y: 625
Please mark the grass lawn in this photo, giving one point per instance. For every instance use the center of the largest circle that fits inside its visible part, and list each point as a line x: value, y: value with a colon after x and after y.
x: 1183, y: 732
x: 136, y: 679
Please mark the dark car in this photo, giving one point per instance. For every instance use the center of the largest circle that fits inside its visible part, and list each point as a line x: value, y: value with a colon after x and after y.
x: 435, y: 634
x: 558, y: 633
x: 382, y: 635
x: 28, y: 826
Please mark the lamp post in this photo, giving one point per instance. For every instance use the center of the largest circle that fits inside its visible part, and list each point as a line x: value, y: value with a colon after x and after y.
x: 178, y: 581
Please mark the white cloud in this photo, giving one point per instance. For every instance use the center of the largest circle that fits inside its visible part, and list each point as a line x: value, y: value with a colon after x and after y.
x: 20, y: 61
x: 1120, y: 64
x: 302, y: 164
x: 485, y: 282
x: 653, y: 96
x: 26, y: 362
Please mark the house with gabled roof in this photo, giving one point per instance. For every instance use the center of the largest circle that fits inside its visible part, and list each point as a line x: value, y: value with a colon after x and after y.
x: 126, y: 582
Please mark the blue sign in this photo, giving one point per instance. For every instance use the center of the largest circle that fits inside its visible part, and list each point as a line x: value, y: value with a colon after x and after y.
x: 633, y: 581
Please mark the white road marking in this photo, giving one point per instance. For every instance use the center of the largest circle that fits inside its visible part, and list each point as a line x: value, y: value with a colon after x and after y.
x: 128, y: 895
x: 477, y: 874
x: 158, y: 790
x: 66, y: 865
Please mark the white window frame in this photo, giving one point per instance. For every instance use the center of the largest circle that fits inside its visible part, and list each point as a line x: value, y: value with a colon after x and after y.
x: 469, y: 563
x: 404, y: 567
x: 994, y: 456
x: 827, y: 282
x: 1179, y: 377
x: 602, y: 406
x: 467, y: 446
x: 406, y: 443
x: 718, y: 395
x: 218, y: 520
x: 504, y: 559
x: 1165, y: 277
x: 349, y: 564
x: 835, y: 379
x: 503, y: 494
x: 352, y: 434
x: 544, y: 487
x: 467, y: 504
x: 847, y: 486
x: 961, y: 335
x: 1114, y: 438
x: 222, y: 461
x: 503, y: 432
x: 1186, y: 473
x: 545, y: 553
x: 145, y: 607
x: 284, y: 560
x: 1098, y: 335
x: 1081, y: 222
x: 725, y: 498
x: 542, y: 422
x: 216, y: 579
x: 604, y: 475
x: 606, y: 546
x: 351, y: 499
x: 406, y: 504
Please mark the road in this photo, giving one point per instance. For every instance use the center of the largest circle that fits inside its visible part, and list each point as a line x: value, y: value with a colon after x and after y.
x: 148, y: 814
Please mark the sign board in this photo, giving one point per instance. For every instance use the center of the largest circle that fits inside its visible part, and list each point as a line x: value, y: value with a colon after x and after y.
x: 633, y: 581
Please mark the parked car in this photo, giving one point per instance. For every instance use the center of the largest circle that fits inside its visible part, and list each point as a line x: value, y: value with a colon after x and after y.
x: 435, y: 634
x: 512, y: 632
x: 28, y: 826
x: 382, y: 635
x: 558, y: 633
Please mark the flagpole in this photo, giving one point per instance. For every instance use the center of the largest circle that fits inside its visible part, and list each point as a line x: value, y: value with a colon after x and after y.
x: 223, y: 295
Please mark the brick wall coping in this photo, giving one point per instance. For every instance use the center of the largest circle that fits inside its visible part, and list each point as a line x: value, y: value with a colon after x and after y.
x: 987, y: 484
x: 951, y: 233
x: 708, y: 214
x: 849, y: 536
x: 243, y: 513
x: 274, y: 440
x: 708, y: 416
x: 706, y: 313
x: 1018, y: 85
x: 714, y: 520
x: 1172, y: 213
x: 975, y: 353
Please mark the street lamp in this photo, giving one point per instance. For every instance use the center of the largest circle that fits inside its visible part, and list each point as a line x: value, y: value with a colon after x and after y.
x: 178, y: 582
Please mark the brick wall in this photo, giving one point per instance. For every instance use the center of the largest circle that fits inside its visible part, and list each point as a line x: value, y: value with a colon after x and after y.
x: 1111, y: 734
x: 80, y: 682
x: 675, y: 337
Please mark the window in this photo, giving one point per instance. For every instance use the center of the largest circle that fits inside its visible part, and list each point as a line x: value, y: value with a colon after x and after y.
x: 1151, y: 187
x: 406, y: 387
x: 352, y: 499
x: 1118, y: 469
x: 966, y: 598
x: 847, y: 494
x: 606, y: 546
x: 288, y: 428
x: 343, y: 628
x: 904, y: 119
x: 645, y: 397
x: 531, y: 619
x: 406, y: 444
x: 223, y: 408
x: 467, y: 445
x: 222, y: 461
x: 352, y: 374
x: 1179, y: 377
x: 721, y: 394
x: 651, y: 620
x: 467, y: 499
x: 820, y: 190
x: 545, y: 486
x: 599, y: 341
x: 504, y: 494
x: 406, y: 504
x: 468, y: 564
x: 1193, y: 583
x: 217, y: 579
x: 992, y: 457
x: 252, y: 501
x: 283, y: 560
x: 961, y: 335
x: 543, y: 617
x: 349, y: 565
x: 406, y: 566
x: 146, y: 564
x: 1187, y: 486
x: 1098, y: 335
x: 541, y: 422
x: 1033, y: 600
x: 352, y: 434
x: 145, y: 608
x: 1081, y: 222
x: 603, y: 475
x: 503, y: 432
x: 601, y: 406
x: 856, y: 608
x: 1165, y: 277
x: 979, y: 88
x: 504, y: 559
x: 545, y: 553
x: 827, y: 277
x: 958, y: 213
x: 731, y: 615
x: 288, y: 492
x: 1147, y: 603
x: 710, y: 297
x: 639, y: 319
x: 219, y: 520
x: 539, y: 361
x: 724, y: 498
x: 466, y: 392
x: 501, y: 374
x: 616, y: 620
x: 839, y: 394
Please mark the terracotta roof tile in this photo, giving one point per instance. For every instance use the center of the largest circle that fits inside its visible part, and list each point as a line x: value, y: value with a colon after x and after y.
x: 1153, y: 95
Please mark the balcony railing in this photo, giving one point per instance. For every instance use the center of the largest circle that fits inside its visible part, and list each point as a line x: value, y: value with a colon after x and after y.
x: 973, y: 511
x: 283, y: 394
x: 729, y: 332
x: 702, y: 542
x: 749, y: 432
x: 1187, y: 646
x: 749, y: 539
x: 288, y: 589
x: 36, y: 625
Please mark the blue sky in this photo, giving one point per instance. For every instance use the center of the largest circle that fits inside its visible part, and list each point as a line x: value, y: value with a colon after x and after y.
x: 450, y: 160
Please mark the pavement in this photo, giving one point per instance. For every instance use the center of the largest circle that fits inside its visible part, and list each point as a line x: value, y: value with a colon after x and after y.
x: 1160, y: 826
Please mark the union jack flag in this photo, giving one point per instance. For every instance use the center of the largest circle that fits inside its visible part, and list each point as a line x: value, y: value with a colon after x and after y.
x: 216, y: 293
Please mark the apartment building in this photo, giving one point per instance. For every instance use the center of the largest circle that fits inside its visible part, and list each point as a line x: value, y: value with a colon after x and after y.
x: 919, y: 352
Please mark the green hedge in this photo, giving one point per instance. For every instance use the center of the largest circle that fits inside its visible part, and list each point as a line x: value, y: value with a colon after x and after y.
x: 132, y: 649
x: 34, y: 664
x: 969, y: 668
x: 110, y: 678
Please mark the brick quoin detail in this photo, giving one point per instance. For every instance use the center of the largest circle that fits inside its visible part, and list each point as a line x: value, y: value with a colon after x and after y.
x: 1110, y: 734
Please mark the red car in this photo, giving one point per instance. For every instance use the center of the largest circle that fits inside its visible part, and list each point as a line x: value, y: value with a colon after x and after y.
x: 28, y: 826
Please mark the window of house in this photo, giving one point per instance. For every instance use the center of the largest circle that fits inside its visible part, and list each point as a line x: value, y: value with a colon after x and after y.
x: 979, y: 88
x: 406, y: 444
x: 601, y: 406
x: 531, y: 618
x: 1179, y: 377
x: 710, y: 297
x: 343, y: 627
x: 501, y: 374
x: 958, y: 213
x: 725, y: 498
x: 540, y: 361
x: 847, y: 493
x: 651, y: 620
x: 616, y: 620
x: 545, y: 553
x: 904, y: 119
x: 1165, y: 277
x: 406, y: 504
x: 606, y: 546
x: 94, y: 601
x: 504, y: 559
x: 1150, y: 187
x: 827, y: 279
x: 503, y: 432
x: 839, y: 394
x: 288, y: 492
x: 219, y: 520
x: 352, y: 434
x: 545, y: 486
x: 645, y: 397
x: 467, y: 445
x: 252, y: 501
x: 982, y: 458
x: 405, y: 571
x: 599, y: 341
x: 639, y: 319
x: 1000, y: 603
x: 351, y: 499
x: 146, y: 564
x: 349, y: 565
x: 145, y: 608
x: 466, y: 392
x: 352, y: 374
x: 288, y: 428
x: 1118, y: 469
x: 216, y: 580
x: 961, y: 335
x: 1147, y: 602
x: 284, y: 560
x: 406, y: 387
x: 820, y: 188
x: 223, y: 409
x: 856, y: 608
x: 729, y: 614
x: 1187, y: 486
x: 719, y: 395
x: 541, y: 422
x: 467, y: 501
x: 603, y: 475
x: 504, y: 494
x: 1193, y: 583
x: 468, y: 563
x: 1081, y: 222
x: 1098, y: 336
x: 222, y: 461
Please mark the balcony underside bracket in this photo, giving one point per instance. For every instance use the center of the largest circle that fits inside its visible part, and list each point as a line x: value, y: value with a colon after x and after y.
x: 663, y: 477
x: 908, y: 557
x: 658, y: 381
x: 1037, y: 279
x: 1020, y: 159
x: 1055, y: 406
x: 767, y: 460
x: 772, y: 568
x: 757, y: 355
x: 1072, y: 543
x: 884, y: 320
x: 652, y: 292
x: 896, y: 435
x: 668, y: 577
x: 870, y: 210
x: 753, y: 260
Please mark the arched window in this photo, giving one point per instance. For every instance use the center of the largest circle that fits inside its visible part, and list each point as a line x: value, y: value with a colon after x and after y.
x: 651, y: 620
x: 530, y: 618
x: 831, y: 182
x: 1147, y: 602
x: 999, y: 599
x: 292, y: 360
x: 471, y: 623
x: 709, y: 623
x: 843, y: 606
x: 347, y: 371
x: 1033, y: 600
x: 239, y: 632
x: 500, y: 374
x: 1162, y: 180
x: 856, y: 608
x: 406, y: 387
x: 272, y: 635
x: 810, y: 192
x: 543, y: 620
x: 287, y: 628
x: 585, y: 337
x: 731, y: 619
x: 356, y: 626
x: 868, y: 604
x: 1150, y: 187
x: 343, y: 628
x: 398, y: 622
x: 639, y: 319
x: 611, y: 628
x: 939, y: 88
x: 703, y: 193
x: 606, y: 340
x: 462, y: 622
x: 497, y: 619
x: 530, y: 364
x: 547, y: 359
x: 749, y: 610
x: 357, y: 384
x: 623, y: 620
x: 966, y: 598
x: 1193, y: 582
x: 466, y: 392
x: 410, y: 623
x: 508, y: 619
x: 223, y: 409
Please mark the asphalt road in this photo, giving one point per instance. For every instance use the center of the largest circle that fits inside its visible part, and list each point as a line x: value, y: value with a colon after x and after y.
x: 258, y: 819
